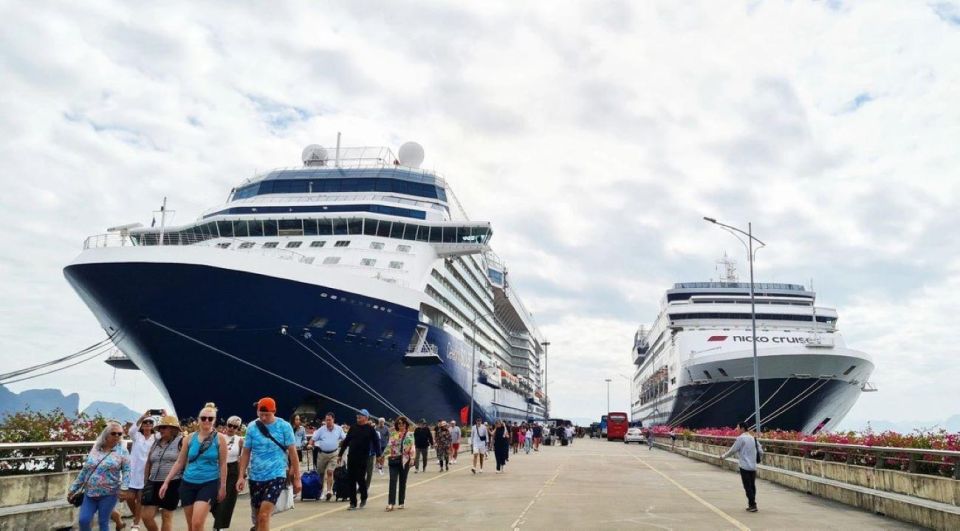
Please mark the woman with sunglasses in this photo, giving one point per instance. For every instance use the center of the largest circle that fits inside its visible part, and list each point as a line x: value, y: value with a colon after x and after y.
x: 203, y: 460
x: 399, y: 455
x: 105, y: 475
x: 142, y: 437
x: 161, y: 458
x: 224, y: 510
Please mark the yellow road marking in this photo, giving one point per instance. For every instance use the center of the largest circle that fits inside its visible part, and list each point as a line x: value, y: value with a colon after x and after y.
x: 516, y: 523
x: 739, y: 525
x: 378, y: 496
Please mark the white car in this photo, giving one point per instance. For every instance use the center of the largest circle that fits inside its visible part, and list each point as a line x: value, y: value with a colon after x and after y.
x: 634, y: 435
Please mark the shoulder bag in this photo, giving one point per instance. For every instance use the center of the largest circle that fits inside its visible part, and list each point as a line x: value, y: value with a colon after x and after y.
x: 204, y: 446
x: 76, y: 499
x: 266, y: 433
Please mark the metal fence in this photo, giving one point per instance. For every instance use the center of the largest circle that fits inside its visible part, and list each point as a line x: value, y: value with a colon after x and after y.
x: 41, y: 457
x: 927, y: 461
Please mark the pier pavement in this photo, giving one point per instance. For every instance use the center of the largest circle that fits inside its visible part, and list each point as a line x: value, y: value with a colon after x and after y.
x: 593, y: 484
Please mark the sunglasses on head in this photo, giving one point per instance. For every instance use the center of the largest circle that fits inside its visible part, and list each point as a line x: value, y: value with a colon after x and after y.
x: 207, y: 419
x: 234, y: 426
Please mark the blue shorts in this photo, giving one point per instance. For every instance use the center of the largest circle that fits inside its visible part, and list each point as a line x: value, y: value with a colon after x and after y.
x: 191, y: 493
x: 266, y: 491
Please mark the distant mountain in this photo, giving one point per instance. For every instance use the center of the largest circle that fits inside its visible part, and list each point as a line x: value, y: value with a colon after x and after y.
x: 112, y: 410
x: 38, y: 400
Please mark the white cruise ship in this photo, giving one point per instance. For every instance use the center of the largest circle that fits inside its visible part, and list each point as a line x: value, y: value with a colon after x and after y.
x: 694, y: 366
x: 353, y: 281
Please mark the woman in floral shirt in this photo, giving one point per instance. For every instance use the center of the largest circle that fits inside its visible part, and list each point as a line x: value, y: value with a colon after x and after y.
x: 399, y: 455
x: 105, y: 475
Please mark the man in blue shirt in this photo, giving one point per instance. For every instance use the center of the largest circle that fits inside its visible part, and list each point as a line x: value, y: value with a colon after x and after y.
x: 268, y: 449
x: 325, y: 443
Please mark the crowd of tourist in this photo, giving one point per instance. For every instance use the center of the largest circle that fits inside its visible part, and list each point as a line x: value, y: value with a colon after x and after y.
x: 202, y: 467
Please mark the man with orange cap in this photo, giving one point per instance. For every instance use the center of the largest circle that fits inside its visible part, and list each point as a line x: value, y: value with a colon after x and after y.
x: 269, y: 447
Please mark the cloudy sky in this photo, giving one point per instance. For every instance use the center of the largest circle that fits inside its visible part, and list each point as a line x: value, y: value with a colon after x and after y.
x: 594, y: 136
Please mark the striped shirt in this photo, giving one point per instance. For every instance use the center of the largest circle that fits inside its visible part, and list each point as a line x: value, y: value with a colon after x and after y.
x: 162, y: 457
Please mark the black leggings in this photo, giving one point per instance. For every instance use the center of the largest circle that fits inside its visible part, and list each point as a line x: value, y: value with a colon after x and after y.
x: 398, y: 472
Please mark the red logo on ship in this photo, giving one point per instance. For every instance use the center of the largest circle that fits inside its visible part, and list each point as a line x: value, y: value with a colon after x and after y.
x: 717, y: 338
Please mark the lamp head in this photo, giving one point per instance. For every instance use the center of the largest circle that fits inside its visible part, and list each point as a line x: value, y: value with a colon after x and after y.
x: 711, y: 220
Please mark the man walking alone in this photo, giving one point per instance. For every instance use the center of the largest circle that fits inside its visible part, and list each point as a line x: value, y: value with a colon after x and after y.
x: 359, y: 440
x: 749, y: 453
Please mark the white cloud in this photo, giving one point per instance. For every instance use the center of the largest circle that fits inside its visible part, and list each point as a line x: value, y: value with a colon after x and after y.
x: 593, y: 136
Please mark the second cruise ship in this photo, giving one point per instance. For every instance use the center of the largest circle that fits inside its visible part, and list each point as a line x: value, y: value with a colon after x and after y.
x: 694, y: 366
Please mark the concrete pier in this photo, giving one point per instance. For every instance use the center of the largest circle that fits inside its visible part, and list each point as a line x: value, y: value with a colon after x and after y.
x: 592, y: 484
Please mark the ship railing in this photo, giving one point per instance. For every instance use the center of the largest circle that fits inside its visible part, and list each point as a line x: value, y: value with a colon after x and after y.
x: 928, y: 461
x: 43, y: 457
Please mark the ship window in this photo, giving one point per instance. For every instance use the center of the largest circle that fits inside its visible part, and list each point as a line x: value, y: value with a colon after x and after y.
x: 310, y: 227
x: 707, y: 374
x: 396, y: 265
x: 396, y: 230
x: 342, y: 243
x: 355, y: 226
x: 255, y: 226
x: 246, y: 245
x: 410, y: 233
x: 324, y: 227
x: 723, y: 372
x: 376, y: 245
x: 403, y: 248
x: 848, y: 371
x: 240, y: 229
x: 270, y: 245
x: 318, y: 243
x: 357, y: 328
x: 309, y: 259
x: 269, y: 227
x: 331, y: 260
x: 368, y: 262
x: 294, y: 245
x: 290, y: 227
x: 436, y: 234
x: 423, y: 233
x: 340, y: 226
x: 224, y: 245
x: 318, y: 322
x: 370, y: 227
x: 383, y: 229
x: 226, y: 229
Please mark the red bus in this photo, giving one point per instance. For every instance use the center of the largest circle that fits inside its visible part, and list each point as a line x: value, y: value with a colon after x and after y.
x: 617, y: 424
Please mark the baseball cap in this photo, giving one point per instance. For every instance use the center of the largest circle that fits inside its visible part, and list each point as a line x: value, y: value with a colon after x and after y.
x: 363, y: 412
x: 267, y: 404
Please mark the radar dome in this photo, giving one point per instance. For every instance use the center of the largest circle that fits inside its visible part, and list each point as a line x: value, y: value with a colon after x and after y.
x: 314, y: 155
x: 410, y: 155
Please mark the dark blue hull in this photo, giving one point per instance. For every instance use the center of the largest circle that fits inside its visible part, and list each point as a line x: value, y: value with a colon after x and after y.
x: 242, y: 314
x: 787, y: 404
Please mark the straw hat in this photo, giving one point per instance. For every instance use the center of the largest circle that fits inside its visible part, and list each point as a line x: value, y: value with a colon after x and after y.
x: 169, y: 421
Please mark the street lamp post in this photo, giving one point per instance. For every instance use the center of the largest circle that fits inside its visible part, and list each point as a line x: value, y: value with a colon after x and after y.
x: 608, y: 394
x: 753, y: 308
x: 473, y: 360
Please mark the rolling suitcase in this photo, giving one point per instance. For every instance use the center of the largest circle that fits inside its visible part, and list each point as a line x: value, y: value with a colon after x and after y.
x: 311, y: 485
x: 341, y: 483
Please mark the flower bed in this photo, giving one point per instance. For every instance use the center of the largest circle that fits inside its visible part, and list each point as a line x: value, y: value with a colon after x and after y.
x: 34, y: 426
x: 921, y: 463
